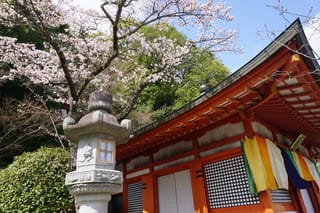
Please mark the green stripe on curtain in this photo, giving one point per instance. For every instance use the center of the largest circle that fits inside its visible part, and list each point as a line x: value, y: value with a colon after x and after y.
x: 252, y: 186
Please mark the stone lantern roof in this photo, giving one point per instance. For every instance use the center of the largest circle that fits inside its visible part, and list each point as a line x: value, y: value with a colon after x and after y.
x: 98, y: 120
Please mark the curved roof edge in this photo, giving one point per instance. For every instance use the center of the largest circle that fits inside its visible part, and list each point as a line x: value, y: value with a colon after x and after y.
x: 294, y: 31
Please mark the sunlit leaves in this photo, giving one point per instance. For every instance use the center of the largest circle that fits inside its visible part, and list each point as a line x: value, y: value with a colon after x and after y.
x: 34, y: 182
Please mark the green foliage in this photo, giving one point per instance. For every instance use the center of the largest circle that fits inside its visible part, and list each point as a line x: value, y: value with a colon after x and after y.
x: 23, y: 34
x: 158, y: 96
x: 203, y: 70
x: 34, y: 182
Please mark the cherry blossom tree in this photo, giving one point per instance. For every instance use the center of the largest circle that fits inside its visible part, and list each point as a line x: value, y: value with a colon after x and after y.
x: 87, y: 49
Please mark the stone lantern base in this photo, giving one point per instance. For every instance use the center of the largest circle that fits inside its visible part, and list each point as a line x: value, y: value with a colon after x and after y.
x: 93, y: 203
x: 93, y: 197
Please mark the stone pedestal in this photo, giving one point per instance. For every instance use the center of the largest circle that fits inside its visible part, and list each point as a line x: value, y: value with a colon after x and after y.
x: 93, y: 203
x: 92, y: 189
x: 92, y: 198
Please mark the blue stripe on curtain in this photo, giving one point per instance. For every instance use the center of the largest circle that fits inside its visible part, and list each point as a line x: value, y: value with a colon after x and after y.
x: 292, y: 172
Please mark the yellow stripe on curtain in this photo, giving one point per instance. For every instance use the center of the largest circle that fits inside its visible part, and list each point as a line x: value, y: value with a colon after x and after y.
x: 302, y: 167
x: 266, y: 162
x: 259, y: 163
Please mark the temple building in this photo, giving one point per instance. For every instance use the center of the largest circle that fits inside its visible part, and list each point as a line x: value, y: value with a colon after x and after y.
x: 250, y: 144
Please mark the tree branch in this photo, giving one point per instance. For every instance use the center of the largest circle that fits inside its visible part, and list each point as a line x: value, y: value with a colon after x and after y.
x: 49, y: 114
x: 47, y: 37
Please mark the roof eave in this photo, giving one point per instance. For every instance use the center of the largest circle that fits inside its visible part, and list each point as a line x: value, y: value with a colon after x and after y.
x: 294, y: 31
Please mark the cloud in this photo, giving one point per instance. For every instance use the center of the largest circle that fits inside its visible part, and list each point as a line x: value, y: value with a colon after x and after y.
x: 312, y: 30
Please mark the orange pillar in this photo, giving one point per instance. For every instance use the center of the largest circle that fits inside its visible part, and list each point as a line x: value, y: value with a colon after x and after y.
x: 148, y: 194
x: 198, y: 188
x: 266, y: 200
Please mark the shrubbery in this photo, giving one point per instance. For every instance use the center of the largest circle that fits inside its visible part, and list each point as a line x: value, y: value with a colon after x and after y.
x: 34, y: 182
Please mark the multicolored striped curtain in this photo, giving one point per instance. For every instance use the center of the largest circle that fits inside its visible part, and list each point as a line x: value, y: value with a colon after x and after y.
x: 259, y: 164
x: 271, y: 167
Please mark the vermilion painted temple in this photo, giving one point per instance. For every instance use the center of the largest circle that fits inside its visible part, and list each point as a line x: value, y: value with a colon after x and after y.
x: 250, y: 144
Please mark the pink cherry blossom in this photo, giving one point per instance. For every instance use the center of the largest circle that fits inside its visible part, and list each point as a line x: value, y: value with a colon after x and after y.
x: 96, y: 44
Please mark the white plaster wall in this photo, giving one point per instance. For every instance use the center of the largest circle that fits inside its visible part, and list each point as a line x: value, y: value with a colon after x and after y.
x: 222, y: 132
x: 172, y: 150
x: 262, y: 130
x: 138, y: 173
x: 137, y: 162
x: 283, y: 139
x: 220, y: 149
x: 173, y: 163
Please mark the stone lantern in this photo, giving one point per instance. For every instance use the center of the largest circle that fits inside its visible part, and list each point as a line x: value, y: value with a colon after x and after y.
x: 96, y: 136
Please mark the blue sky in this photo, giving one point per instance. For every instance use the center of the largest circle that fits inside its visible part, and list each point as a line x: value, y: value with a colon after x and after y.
x: 250, y: 18
x: 253, y: 16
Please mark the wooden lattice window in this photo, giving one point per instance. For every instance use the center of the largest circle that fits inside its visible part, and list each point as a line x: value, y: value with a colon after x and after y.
x: 227, y: 184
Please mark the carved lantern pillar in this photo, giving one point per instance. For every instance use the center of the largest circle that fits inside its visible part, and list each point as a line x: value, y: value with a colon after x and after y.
x: 96, y: 136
